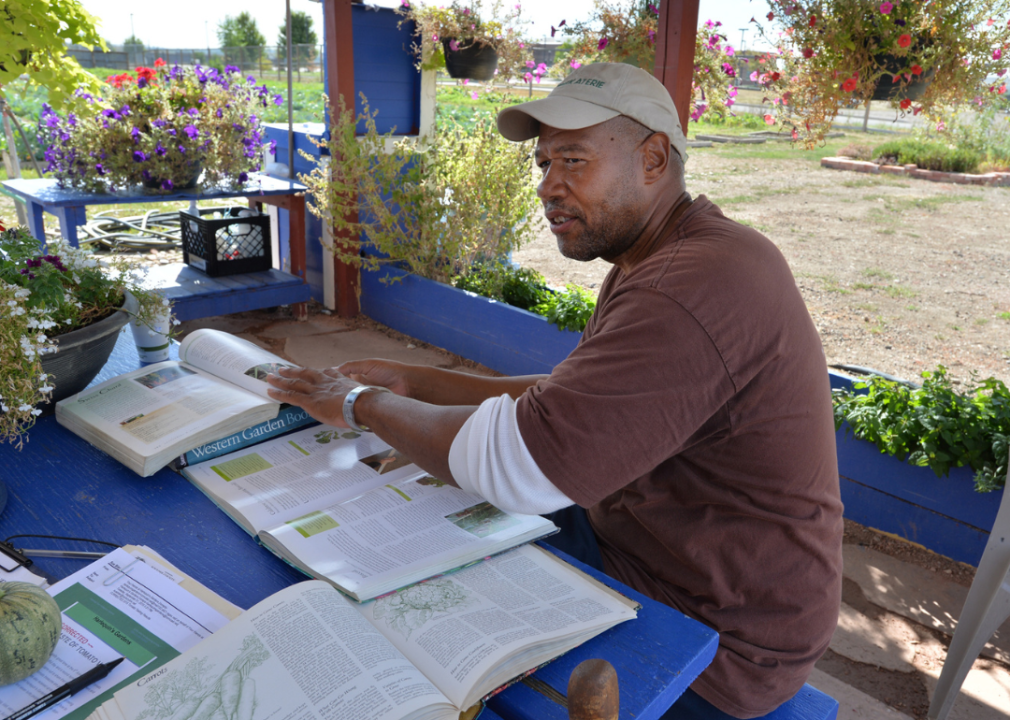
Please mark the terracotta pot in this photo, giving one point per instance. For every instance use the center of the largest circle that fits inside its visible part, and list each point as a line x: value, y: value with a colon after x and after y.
x: 472, y: 60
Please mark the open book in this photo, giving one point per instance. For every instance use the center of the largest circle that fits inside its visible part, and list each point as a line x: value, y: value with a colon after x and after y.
x: 427, y: 653
x: 345, y: 507
x: 150, y: 416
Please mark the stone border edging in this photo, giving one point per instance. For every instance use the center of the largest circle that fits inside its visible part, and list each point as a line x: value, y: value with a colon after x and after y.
x: 992, y: 179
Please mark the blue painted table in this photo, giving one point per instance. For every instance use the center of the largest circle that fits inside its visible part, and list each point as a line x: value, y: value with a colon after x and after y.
x: 194, y: 294
x: 61, y: 485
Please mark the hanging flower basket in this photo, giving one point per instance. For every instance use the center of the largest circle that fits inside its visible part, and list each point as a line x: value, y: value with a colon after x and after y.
x: 470, y: 60
x: 887, y: 89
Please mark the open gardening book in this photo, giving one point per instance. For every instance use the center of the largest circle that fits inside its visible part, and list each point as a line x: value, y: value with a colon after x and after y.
x: 131, y: 604
x: 345, y: 507
x: 150, y: 416
x: 428, y: 652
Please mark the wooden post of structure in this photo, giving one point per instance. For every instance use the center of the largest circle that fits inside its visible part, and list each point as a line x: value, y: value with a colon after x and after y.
x: 339, y: 39
x: 678, y: 26
x: 10, y: 159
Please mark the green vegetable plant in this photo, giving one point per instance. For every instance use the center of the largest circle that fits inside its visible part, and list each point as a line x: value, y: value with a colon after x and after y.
x: 569, y: 310
x: 934, y: 426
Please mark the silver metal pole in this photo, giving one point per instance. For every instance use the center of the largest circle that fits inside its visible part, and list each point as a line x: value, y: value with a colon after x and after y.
x: 291, y: 124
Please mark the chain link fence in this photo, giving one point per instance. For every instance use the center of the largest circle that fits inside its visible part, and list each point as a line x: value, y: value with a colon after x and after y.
x: 264, y: 61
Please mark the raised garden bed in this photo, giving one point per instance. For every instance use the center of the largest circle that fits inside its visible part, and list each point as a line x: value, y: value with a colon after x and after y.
x: 943, y: 514
x: 912, y: 171
x: 499, y: 336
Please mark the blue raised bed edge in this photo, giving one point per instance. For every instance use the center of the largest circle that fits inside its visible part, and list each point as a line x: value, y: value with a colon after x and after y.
x: 499, y: 336
x: 880, y: 491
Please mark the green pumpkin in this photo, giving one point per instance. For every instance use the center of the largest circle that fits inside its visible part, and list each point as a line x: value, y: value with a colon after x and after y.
x: 30, y: 626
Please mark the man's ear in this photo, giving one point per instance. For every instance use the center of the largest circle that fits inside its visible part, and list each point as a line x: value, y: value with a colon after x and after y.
x: 656, y: 156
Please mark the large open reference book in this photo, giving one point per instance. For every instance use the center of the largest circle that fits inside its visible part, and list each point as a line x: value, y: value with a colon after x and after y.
x: 345, y: 507
x: 150, y: 416
x: 426, y: 653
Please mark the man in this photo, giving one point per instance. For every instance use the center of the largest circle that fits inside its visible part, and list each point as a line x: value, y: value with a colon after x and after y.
x: 693, y: 421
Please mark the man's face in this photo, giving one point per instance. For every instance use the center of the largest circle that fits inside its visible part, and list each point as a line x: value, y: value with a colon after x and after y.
x: 591, y: 190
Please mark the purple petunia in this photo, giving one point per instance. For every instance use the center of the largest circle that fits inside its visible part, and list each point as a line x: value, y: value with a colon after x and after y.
x: 139, y: 156
x: 135, y: 134
x: 243, y: 177
x: 160, y: 150
x: 192, y: 132
x: 167, y: 184
x: 159, y: 123
x: 193, y: 112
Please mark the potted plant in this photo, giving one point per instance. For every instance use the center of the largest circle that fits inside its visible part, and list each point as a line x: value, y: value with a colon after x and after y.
x: 161, y: 128
x: 923, y: 57
x: 469, y: 41
x: 921, y: 462
x: 625, y: 31
x: 62, y: 313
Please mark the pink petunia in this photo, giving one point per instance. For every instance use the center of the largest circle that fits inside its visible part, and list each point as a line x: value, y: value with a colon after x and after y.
x: 474, y: 95
x: 466, y: 81
x: 886, y: 7
x: 528, y: 77
x: 530, y: 64
x: 941, y: 126
x: 453, y: 45
x: 466, y: 11
x: 405, y: 4
x: 997, y: 54
x: 575, y: 64
x: 769, y: 119
x: 729, y: 51
x: 603, y: 43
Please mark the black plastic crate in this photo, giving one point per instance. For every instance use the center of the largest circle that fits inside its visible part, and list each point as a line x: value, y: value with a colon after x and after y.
x: 227, y: 245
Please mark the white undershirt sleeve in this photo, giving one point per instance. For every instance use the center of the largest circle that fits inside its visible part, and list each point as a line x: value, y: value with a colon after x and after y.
x: 489, y: 458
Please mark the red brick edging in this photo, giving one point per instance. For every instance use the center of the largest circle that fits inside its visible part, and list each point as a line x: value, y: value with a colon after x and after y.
x: 844, y: 163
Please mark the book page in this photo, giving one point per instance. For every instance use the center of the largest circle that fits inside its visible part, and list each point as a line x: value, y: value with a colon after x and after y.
x: 473, y: 630
x: 234, y: 359
x: 116, y: 607
x: 410, y: 528
x: 158, y: 406
x: 302, y: 653
x: 268, y: 484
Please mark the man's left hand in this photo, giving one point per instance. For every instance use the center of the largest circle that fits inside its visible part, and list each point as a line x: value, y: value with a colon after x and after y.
x: 320, y: 392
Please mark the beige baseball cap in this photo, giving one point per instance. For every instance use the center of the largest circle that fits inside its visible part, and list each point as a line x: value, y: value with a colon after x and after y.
x: 593, y: 94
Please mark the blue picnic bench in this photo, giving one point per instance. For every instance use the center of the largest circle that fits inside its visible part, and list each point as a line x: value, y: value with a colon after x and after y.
x: 193, y: 293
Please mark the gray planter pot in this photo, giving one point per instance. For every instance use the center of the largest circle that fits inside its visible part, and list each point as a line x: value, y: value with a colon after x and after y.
x: 81, y: 354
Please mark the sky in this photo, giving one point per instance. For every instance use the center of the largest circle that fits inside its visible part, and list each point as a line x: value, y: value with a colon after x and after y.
x: 193, y: 23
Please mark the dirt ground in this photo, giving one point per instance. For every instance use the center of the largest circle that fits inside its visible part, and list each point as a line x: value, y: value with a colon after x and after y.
x: 899, y: 275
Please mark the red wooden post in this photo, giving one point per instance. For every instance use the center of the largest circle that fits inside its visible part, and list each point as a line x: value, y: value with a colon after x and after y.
x: 339, y: 39
x: 678, y: 27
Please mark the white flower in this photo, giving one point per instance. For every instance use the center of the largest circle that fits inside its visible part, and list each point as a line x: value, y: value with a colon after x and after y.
x: 46, y: 388
x: 36, y: 412
x: 12, y: 303
x: 4, y: 408
x: 25, y: 408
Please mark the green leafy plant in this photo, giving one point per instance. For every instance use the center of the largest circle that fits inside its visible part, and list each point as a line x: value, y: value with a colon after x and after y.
x: 934, y: 426
x: 44, y: 295
x: 933, y: 154
x: 832, y: 54
x: 433, y: 206
x: 33, y: 40
x: 569, y: 310
x: 519, y: 287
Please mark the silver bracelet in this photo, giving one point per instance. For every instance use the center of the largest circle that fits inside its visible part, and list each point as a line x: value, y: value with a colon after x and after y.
x: 349, y: 401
